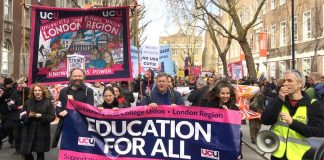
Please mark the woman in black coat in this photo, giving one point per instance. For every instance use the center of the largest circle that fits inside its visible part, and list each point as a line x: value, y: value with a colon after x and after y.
x: 222, y: 96
x: 110, y: 100
x: 37, y: 115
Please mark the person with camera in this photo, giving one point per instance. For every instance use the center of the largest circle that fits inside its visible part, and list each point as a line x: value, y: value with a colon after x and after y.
x: 294, y: 117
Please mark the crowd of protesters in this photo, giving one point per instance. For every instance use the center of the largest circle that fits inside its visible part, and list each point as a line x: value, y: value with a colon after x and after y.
x: 26, y: 112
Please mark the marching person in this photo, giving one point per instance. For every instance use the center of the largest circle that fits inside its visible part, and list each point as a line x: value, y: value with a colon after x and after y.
x: 38, y: 113
x: 110, y: 100
x: 120, y: 97
x: 78, y: 91
x: 222, y: 96
x: 162, y: 94
x: 294, y: 117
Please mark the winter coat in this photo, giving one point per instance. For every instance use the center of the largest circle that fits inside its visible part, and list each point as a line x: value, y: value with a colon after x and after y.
x: 196, y: 96
x: 315, y: 115
x: 9, y: 103
x: 36, y: 131
x: 214, y: 103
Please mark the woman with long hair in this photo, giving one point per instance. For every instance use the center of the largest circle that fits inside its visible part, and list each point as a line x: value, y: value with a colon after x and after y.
x: 222, y: 96
x: 120, y: 97
x: 110, y: 100
x: 38, y: 113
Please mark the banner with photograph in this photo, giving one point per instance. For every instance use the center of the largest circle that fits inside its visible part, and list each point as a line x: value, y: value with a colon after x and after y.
x: 99, y: 36
x: 141, y: 132
x: 236, y: 70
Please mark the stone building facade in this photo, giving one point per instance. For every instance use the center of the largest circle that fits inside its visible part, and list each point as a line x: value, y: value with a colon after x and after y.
x: 182, y: 45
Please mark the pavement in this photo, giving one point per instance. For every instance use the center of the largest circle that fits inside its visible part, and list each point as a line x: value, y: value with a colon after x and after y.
x: 247, y: 140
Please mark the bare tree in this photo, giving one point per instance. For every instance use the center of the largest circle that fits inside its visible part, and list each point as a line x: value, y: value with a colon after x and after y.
x: 141, y: 12
x: 184, y: 8
x: 230, y: 7
x: 184, y: 17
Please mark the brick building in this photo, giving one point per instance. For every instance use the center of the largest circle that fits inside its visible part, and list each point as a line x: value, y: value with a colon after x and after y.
x: 14, y: 58
x: 275, y: 21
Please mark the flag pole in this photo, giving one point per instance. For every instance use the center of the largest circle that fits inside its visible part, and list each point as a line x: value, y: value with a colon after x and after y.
x: 137, y: 46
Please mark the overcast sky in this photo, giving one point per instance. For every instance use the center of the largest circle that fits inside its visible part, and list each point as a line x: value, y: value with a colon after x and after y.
x: 159, y: 26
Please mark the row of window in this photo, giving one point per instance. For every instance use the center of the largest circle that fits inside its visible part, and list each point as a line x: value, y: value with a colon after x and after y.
x: 272, y: 5
x: 7, y: 14
x: 306, y: 70
x: 283, y: 29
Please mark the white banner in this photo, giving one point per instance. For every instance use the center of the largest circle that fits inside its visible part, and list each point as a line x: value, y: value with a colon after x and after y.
x: 150, y: 56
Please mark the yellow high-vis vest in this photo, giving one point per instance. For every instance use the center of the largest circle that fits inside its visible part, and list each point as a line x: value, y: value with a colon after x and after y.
x: 291, y: 142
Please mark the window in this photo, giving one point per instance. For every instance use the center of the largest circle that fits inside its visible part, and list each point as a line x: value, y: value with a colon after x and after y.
x: 283, y: 34
x: 273, y: 4
x: 306, y: 66
x: 307, y: 25
x: 295, y: 29
x: 8, y: 10
x: 282, y: 68
x: 257, y: 40
x: 282, y: 2
x: 265, y: 7
x: 24, y: 61
x: 27, y: 17
x: 273, y: 36
x: 6, y: 52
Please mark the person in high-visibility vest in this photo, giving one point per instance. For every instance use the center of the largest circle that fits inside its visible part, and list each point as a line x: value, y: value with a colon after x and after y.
x: 294, y: 117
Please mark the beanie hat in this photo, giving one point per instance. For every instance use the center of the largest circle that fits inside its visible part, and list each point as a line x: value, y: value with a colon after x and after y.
x: 7, y: 81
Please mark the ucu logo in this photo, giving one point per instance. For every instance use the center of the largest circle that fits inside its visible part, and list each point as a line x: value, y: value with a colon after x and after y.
x: 301, y: 117
x: 49, y: 15
x: 112, y: 13
x: 209, y: 154
x: 85, y: 141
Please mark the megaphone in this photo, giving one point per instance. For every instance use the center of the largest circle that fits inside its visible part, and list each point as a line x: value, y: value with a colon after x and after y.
x: 317, y: 149
x: 267, y: 141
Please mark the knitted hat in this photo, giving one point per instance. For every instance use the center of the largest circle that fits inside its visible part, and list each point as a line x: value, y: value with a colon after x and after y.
x: 7, y: 81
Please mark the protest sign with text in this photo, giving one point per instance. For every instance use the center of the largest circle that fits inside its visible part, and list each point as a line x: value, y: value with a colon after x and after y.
x: 150, y: 56
x: 145, y: 133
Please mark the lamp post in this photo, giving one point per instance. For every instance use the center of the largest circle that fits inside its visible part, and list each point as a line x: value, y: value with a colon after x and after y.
x: 292, y: 34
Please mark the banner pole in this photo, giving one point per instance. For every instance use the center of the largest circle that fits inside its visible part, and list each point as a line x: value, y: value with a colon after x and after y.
x: 138, y: 47
x: 24, y: 46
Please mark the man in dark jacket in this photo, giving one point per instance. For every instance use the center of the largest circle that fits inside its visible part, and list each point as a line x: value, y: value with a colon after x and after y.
x: 10, y: 110
x: 128, y: 94
x: 162, y: 94
x: 294, y: 117
x: 196, y: 96
x: 78, y: 91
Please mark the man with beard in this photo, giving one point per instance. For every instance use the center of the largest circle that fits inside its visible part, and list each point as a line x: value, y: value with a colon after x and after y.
x: 76, y: 90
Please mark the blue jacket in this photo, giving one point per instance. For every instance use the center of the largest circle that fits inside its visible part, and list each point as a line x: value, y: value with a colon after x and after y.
x: 319, y: 90
x: 168, y: 98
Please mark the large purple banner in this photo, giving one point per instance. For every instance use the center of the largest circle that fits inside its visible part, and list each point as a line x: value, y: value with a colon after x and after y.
x: 96, y: 40
x: 167, y: 132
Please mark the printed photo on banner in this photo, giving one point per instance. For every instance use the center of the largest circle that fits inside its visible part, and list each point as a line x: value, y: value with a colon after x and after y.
x: 99, y: 35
